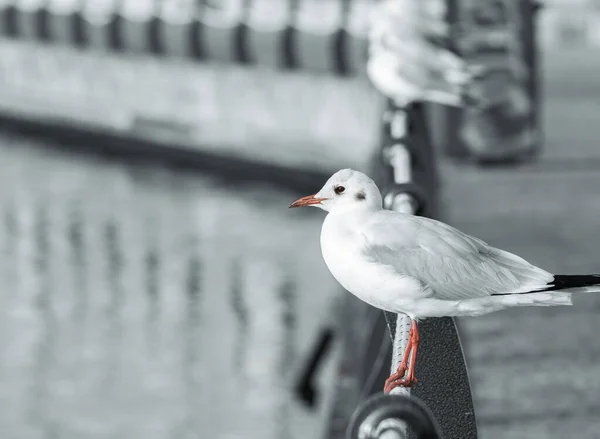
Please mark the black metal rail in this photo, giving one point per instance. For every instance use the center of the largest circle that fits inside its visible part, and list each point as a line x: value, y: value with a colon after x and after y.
x: 444, y: 385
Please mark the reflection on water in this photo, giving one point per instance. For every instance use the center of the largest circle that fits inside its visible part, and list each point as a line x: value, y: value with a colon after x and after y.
x: 142, y: 302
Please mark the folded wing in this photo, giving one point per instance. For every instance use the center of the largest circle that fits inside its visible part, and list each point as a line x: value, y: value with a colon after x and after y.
x: 451, y: 264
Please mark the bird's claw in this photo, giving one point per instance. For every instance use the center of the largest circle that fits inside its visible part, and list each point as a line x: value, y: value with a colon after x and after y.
x: 398, y: 381
x: 390, y: 383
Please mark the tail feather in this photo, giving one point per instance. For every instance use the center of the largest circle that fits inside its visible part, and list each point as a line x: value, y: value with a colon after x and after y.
x: 577, y: 283
x: 485, y: 305
x: 554, y: 293
x: 584, y: 283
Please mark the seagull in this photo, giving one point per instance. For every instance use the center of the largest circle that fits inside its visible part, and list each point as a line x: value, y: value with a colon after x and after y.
x: 422, y: 267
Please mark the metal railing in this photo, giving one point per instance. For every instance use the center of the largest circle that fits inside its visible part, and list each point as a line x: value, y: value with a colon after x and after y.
x: 408, y: 160
x: 407, y: 153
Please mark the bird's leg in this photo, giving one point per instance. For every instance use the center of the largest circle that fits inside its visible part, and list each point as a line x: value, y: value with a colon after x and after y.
x: 397, y: 379
x: 411, y: 379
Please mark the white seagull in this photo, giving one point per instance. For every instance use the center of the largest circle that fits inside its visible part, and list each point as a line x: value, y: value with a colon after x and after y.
x: 422, y: 267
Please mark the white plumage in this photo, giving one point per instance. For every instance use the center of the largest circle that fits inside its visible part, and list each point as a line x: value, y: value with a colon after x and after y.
x: 423, y: 267
x: 420, y: 266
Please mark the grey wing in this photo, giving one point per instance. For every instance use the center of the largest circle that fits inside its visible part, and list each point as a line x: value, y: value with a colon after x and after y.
x: 451, y: 264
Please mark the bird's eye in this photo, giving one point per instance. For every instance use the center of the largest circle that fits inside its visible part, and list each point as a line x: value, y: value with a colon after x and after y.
x: 339, y: 189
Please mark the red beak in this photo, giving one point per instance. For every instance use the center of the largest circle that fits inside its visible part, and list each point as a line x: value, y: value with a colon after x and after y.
x: 307, y: 201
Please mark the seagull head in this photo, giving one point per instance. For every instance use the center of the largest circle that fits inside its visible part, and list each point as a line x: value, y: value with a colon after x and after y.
x: 346, y: 190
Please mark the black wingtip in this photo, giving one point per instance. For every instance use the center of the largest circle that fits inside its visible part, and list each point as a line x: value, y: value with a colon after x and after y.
x: 566, y: 281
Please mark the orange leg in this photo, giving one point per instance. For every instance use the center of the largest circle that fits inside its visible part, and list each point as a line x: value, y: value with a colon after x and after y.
x: 403, y: 367
x: 411, y: 379
x: 398, y: 379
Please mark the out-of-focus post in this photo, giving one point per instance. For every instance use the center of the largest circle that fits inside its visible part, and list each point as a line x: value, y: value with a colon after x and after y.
x: 7, y: 18
x: 220, y: 28
x: 267, y: 32
x: 317, y: 31
x: 99, y: 20
x: 177, y: 27
x: 356, y: 32
x: 30, y: 19
x: 135, y: 25
x: 63, y: 19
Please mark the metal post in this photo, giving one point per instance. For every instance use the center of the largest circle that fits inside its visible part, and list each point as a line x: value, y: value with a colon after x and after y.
x: 441, y: 368
x: 400, y: 161
x: 399, y: 430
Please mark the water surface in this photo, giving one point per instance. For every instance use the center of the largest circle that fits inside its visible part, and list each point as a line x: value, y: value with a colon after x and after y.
x: 145, y: 302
